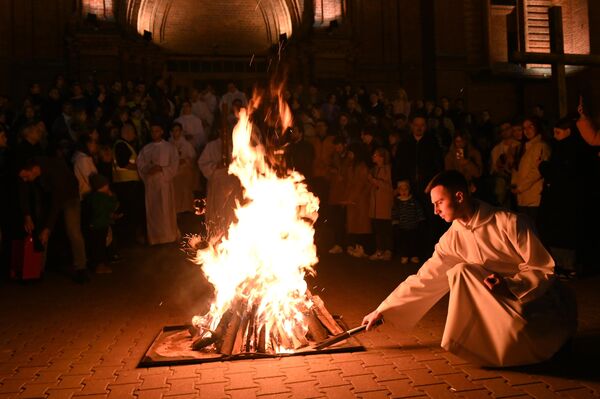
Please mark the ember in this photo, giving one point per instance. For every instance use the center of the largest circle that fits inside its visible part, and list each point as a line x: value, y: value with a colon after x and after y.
x: 262, y: 304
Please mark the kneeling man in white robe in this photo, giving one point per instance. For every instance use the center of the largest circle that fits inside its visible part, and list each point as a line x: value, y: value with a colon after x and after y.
x: 506, y: 307
x: 157, y: 165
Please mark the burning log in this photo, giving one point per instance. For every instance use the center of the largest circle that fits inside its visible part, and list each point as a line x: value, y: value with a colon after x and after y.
x: 215, y: 336
x: 325, y: 317
x: 315, y: 328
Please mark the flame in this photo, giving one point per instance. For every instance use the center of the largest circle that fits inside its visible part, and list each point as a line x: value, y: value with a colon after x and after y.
x: 270, y: 248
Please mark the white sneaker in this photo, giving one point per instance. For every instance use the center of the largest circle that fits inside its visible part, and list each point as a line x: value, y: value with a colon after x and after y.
x: 350, y: 250
x: 359, y: 252
x: 415, y: 259
x: 404, y: 260
x: 336, y: 249
x: 376, y: 256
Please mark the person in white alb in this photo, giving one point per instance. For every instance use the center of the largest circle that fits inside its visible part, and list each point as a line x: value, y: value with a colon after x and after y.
x: 506, y: 306
x: 193, y: 130
x: 157, y: 165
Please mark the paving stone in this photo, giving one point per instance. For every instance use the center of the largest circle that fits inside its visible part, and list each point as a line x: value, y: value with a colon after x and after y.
x: 275, y: 396
x: 273, y: 385
x: 12, y: 385
x: 211, y: 376
x: 127, y: 377
x: 121, y: 390
x: 47, y: 376
x: 242, y: 366
x: 96, y: 386
x: 363, y: 383
x: 459, y: 382
x: 559, y: 383
x: 298, y: 374
x: 150, y: 393
x: 241, y: 380
x: 517, y: 377
x: 97, y: 396
x: 267, y: 370
x: 292, y: 361
x: 243, y: 393
x: 71, y: 381
x: 338, y: 392
x: 407, y: 363
x: 386, y: 373
x: 27, y: 373
x: 438, y: 391
x: 215, y: 390
x: 500, y: 388
x: 351, y: 368
x: 62, y: 393
x: 35, y: 390
x: 329, y: 379
x: 539, y: 391
x: 421, y: 377
x: 374, y: 395
x: 401, y: 389
x: 153, y: 382
x: 483, y: 394
x: 105, y: 372
x: 320, y: 363
x: 478, y: 373
x: 182, y: 386
x: 581, y: 393
x: 439, y: 367
x: 373, y: 359
x: 452, y: 359
x: 304, y: 390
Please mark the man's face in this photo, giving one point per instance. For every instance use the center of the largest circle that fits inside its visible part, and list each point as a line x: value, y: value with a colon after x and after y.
x: 176, y: 132
x: 156, y: 132
x: 445, y: 205
x: 186, y: 109
x: 418, y: 127
x: 29, y: 175
x: 561, y: 134
x: 529, y: 130
x: 517, y: 132
x: 505, y: 131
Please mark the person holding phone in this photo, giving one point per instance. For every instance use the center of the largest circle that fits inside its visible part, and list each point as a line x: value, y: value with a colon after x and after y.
x: 465, y: 158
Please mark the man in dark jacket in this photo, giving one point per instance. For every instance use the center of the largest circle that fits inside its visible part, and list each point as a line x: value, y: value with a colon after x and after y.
x: 60, y: 194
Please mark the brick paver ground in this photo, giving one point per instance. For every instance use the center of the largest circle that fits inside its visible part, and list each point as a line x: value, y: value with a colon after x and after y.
x: 62, y: 340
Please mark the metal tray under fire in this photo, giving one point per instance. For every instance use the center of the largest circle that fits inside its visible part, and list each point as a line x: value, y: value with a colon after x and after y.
x: 173, y: 346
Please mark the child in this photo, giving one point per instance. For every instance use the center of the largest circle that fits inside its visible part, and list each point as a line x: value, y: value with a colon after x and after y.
x: 102, y: 205
x: 380, y: 209
x: 407, y: 214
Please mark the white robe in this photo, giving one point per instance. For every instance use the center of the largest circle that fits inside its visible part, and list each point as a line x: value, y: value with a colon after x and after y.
x: 192, y: 126
x: 186, y: 179
x: 161, y: 218
x: 485, y: 328
x: 222, y: 190
x: 83, y: 168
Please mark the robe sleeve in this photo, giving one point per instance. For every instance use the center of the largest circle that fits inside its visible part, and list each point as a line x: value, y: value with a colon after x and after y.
x: 537, y: 268
x: 143, y: 163
x: 409, y: 302
x: 208, y: 160
x: 589, y: 134
x: 170, y: 170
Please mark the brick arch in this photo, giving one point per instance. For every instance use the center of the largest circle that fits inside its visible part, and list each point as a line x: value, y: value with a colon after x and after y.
x: 209, y: 26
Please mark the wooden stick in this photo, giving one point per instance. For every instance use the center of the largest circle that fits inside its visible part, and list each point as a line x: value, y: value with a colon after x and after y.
x: 315, y: 328
x: 325, y: 317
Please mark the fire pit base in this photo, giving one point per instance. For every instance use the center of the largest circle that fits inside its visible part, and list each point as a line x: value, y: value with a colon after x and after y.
x: 173, y: 346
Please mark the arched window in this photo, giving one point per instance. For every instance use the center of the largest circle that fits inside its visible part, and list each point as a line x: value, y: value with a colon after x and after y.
x: 103, y: 9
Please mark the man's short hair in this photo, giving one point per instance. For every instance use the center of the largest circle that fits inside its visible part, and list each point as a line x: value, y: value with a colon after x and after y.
x: 417, y: 115
x: 176, y: 124
x: 451, y: 180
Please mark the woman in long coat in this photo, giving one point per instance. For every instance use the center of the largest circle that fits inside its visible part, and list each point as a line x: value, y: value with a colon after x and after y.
x: 358, y: 195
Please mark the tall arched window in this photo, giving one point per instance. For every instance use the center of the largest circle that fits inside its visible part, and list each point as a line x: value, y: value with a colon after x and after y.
x: 103, y: 9
x: 327, y: 11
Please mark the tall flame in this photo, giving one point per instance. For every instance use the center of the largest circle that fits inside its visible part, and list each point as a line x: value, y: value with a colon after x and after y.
x: 270, y: 248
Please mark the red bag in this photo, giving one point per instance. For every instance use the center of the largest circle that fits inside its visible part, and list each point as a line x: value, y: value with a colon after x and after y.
x: 26, y: 263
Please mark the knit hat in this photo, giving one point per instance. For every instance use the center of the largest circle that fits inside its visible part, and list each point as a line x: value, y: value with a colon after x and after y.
x: 97, y: 181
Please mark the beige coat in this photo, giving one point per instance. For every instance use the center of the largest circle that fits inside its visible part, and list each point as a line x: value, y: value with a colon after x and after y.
x: 358, y: 196
x: 528, y: 180
x: 528, y: 326
x: 323, y: 155
x: 337, y: 179
x: 382, y: 194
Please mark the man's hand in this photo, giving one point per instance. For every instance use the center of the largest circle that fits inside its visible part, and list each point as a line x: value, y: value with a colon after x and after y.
x: 44, y: 235
x: 28, y: 226
x: 497, y: 285
x: 371, y: 318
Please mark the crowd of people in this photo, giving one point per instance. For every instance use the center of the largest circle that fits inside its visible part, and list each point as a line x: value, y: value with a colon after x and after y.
x: 113, y: 165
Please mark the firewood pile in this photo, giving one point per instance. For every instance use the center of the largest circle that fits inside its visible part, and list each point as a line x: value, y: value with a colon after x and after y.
x: 241, y: 330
